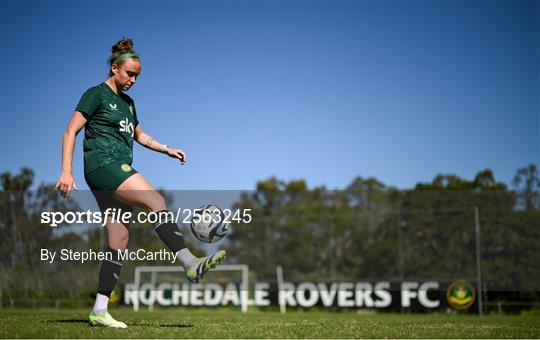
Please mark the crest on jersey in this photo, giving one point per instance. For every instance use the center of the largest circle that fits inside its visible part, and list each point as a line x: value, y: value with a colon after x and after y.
x: 125, y: 167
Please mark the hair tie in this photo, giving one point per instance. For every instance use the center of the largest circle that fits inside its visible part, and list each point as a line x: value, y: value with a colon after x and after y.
x: 124, y: 56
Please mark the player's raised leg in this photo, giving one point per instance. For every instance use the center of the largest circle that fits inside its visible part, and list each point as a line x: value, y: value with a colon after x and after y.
x: 137, y: 191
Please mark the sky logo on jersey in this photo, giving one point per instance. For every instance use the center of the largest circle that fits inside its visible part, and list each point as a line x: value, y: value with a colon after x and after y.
x: 126, y: 126
x: 114, y: 107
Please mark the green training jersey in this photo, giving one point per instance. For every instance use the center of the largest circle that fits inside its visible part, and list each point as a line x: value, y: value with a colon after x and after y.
x: 110, y: 128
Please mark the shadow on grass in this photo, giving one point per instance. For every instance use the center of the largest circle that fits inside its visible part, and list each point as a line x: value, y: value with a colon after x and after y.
x: 165, y: 325
x: 67, y: 321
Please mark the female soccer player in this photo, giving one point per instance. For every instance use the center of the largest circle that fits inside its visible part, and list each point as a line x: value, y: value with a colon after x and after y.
x: 111, y: 125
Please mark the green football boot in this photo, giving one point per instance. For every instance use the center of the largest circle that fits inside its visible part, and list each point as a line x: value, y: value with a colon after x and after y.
x: 199, y: 266
x: 105, y: 320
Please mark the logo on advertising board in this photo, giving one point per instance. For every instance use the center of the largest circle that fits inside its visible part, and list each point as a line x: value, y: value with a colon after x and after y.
x: 461, y: 294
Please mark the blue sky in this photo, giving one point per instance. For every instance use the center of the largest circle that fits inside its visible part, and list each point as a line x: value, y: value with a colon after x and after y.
x: 324, y: 91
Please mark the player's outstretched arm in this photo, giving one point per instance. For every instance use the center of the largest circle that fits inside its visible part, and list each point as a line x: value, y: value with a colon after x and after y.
x: 150, y: 143
x: 66, y: 182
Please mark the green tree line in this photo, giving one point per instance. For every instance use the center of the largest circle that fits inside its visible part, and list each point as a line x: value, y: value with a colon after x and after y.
x: 372, y: 230
x: 369, y: 230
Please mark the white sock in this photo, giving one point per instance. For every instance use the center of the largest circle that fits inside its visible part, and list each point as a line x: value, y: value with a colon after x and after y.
x: 185, y: 257
x: 102, y: 301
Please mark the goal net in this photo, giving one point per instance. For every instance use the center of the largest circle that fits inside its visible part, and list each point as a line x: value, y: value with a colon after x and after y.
x: 166, y: 286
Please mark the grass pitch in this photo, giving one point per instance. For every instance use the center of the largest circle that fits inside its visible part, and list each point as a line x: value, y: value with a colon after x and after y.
x: 177, y: 323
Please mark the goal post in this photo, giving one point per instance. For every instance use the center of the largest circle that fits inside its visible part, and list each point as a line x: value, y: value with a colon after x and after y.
x: 136, y: 291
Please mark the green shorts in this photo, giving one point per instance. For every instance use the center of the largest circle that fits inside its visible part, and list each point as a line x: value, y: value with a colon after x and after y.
x: 105, y: 180
x: 109, y: 176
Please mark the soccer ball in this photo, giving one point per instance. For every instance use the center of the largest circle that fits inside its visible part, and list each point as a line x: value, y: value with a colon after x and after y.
x: 207, y: 224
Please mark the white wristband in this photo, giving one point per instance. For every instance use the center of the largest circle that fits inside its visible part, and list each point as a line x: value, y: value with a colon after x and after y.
x: 163, y: 147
